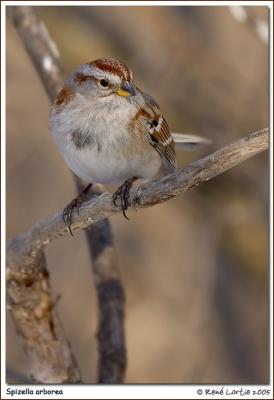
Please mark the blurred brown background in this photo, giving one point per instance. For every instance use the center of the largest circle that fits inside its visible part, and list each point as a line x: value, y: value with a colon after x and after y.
x: 195, y: 269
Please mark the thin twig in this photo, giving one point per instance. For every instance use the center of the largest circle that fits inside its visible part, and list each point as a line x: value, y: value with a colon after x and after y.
x: 112, y: 354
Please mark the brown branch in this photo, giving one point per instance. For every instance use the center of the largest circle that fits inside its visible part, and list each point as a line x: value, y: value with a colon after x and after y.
x: 155, y: 192
x: 112, y: 354
x: 40, y: 47
x: 32, y: 307
x: 111, y: 301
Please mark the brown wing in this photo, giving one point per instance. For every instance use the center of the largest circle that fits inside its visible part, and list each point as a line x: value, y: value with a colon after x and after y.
x: 159, y: 134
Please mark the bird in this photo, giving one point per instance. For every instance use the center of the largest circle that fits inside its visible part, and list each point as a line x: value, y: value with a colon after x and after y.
x: 110, y: 132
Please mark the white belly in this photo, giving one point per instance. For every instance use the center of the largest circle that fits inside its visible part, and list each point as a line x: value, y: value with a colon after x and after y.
x: 108, y: 167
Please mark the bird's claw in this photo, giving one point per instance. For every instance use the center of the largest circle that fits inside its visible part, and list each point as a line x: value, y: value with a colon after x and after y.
x: 67, y: 213
x: 122, y: 193
x: 74, y: 204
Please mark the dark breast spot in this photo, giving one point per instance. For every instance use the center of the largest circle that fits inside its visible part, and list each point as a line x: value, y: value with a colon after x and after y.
x: 81, y: 140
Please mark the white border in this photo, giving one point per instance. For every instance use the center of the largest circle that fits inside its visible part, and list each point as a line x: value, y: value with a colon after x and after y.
x: 3, y: 195
x: 126, y: 391
x: 271, y: 194
x: 139, y: 3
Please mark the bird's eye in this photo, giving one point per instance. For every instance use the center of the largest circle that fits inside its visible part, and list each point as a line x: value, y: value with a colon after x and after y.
x: 104, y: 83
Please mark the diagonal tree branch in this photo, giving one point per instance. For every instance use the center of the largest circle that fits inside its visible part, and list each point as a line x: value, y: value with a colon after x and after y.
x: 155, y: 192
x: 111, y: 300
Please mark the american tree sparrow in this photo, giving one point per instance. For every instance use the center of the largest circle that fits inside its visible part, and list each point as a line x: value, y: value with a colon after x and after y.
x: 111, y: 132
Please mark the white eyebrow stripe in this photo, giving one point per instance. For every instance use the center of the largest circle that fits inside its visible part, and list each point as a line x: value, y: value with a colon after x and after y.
x: 112, y: 77
x: 97, y: 73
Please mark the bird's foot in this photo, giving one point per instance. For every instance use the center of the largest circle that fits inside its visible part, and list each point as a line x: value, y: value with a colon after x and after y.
x: 122, y: 193
x: 74, y: 204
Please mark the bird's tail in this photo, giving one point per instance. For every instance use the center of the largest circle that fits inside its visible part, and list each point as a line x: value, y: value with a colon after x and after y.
x: 187, y: 141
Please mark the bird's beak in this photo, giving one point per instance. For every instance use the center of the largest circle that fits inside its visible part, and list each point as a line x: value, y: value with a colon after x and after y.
x: 127, y: 89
